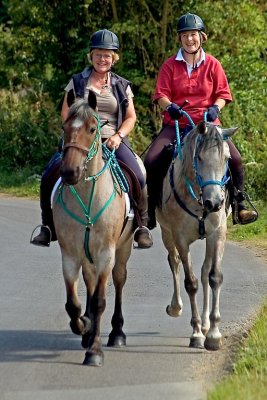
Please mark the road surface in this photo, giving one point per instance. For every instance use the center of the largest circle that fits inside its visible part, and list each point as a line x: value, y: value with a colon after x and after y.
x: 41, y: 358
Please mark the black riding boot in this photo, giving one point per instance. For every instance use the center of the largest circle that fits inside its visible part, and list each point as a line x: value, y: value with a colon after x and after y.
x: 142, y: 234
x: 47, y: 231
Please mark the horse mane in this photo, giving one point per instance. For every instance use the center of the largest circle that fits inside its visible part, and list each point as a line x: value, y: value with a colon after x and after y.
x: 208, y: 136
x: 80, y: 110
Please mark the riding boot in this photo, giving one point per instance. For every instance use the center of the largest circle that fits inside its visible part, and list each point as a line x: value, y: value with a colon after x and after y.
x: 240, y: 213
x: 142, y: 234
x: 47, y: 231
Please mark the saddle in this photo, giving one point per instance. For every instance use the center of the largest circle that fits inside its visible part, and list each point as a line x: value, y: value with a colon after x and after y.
x: 134, y: 189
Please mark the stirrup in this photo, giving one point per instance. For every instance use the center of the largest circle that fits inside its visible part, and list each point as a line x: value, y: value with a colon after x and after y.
x: 147, y: 231
x: 241, y: 196
x: 50, y: 235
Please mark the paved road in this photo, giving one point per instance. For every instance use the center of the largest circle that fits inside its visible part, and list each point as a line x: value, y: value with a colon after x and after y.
x: 41, y: 358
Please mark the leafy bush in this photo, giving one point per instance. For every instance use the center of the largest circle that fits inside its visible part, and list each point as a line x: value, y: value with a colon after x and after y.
x: 29, y: 129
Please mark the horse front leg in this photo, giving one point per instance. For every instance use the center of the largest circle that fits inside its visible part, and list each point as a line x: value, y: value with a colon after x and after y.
x: 176, y: 306
x: 216, y: 242
x: 79, y: 324
x: 191, y: 286
x: 94, y: 355
x: 205, y: 317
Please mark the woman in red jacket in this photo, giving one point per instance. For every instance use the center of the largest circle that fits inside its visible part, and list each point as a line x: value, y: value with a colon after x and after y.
x: 195, y: 81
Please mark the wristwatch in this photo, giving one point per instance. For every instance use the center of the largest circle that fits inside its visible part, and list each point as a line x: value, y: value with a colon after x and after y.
x: 121, y: 134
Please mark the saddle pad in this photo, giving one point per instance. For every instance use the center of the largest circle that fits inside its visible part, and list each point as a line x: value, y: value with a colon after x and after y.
x: 128, y: 210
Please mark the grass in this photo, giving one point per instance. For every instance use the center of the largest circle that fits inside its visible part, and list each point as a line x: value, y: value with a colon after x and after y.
x: 248, y: 380
x: 20, y: 183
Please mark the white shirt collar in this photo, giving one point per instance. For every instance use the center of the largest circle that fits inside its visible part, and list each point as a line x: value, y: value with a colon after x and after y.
x: 180, y: 57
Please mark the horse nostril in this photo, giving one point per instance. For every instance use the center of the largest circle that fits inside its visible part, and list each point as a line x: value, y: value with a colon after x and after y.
x: 208, y: 205
x: 213, y: 206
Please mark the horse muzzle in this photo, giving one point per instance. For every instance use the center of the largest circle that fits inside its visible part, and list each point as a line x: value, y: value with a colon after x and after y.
x: 213, y: 205
x: 70, y: 176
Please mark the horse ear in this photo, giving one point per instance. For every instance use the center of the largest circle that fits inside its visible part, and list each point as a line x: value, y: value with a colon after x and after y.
x: 202, y: 128
x: 92, y: 99
x: 70, y: 97
x: 226, y: 133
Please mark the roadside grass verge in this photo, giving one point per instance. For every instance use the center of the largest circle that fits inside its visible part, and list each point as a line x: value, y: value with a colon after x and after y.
x: 248, y: 380
x: 20, y: 183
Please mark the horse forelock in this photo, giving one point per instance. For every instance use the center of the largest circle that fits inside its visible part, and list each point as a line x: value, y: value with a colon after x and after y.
x: 80, y: 112
x: 212, y: 137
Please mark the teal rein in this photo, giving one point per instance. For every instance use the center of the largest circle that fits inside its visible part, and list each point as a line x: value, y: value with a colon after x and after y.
x: 118, y: 177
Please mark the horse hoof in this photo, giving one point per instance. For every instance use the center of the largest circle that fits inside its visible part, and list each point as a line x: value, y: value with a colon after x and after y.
x: 213, y: 343
x: 80, y: 326
x: 117, y: 341
x: 172, y: 312
x: 94, y: 359
x: 197, y: 342
x: 87, y: 324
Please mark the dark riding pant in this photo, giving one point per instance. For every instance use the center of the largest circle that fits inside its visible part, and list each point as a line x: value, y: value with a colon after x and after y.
x: 125, y: 154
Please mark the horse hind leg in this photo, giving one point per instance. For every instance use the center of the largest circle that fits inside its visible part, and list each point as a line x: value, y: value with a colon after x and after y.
x: 191, y: 286
x: 176, y: 306
x: 117, y: 337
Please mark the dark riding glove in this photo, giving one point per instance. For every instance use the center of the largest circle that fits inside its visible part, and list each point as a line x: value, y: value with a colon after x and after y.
x: 213, y: 113
x: 174, y: 111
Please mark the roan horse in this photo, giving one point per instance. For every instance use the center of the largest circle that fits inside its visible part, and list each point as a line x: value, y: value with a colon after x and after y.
x: 193, y: 207
x: 93, y: 234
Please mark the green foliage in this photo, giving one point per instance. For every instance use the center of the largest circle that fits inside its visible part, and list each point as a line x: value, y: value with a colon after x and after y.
x: 43, y: 43
x: 28, y: 129
x: 257, y: 229
x: 249, y: 378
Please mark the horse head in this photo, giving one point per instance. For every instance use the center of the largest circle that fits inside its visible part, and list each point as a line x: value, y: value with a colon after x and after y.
x: 210, y: 155
x: 81, y: 138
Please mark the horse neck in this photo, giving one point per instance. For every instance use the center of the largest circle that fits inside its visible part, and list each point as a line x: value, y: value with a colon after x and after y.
x: 181, y: 175
x: 94, y: 165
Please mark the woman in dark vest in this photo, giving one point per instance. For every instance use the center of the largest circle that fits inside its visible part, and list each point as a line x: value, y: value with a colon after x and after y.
x: 115, y: 105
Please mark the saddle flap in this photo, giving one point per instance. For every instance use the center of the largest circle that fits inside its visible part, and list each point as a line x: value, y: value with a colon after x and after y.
x: 134, y: 185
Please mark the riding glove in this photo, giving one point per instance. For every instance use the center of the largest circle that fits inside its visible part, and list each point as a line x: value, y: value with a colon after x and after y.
x: 175, y: 112
x: 213, y: 113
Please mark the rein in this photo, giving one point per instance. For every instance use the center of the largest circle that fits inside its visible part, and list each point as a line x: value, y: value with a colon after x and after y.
x: 117, y: 177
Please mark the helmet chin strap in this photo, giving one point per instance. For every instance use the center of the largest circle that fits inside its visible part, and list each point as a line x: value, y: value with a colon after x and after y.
x: 194, y: 53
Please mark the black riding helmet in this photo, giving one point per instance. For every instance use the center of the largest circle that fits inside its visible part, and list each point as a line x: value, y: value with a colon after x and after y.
x: 104, y: 39
x: 190, y: 22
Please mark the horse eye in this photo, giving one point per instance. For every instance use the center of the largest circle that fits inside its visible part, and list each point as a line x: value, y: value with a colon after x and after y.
x: 92, y: 129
